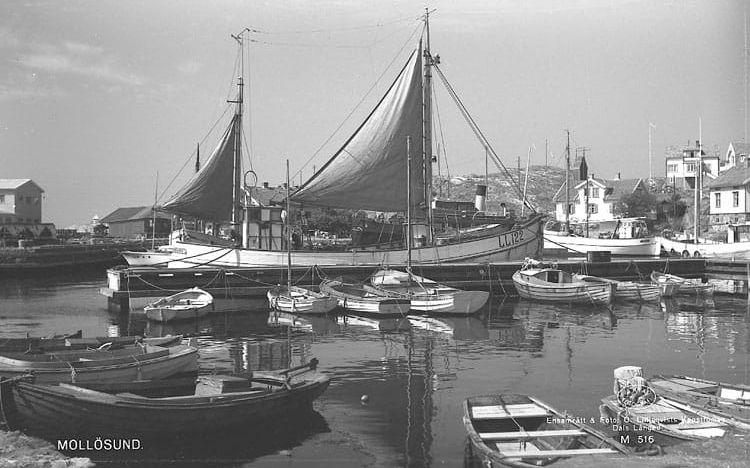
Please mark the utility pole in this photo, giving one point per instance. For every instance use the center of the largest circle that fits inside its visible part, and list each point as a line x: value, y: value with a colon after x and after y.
x: 746, y: 83
x: 650, y: 153
x: 519, y: 172
x: 546, y: 153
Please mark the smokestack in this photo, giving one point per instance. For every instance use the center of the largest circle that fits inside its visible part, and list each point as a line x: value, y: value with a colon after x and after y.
x: 480, y: 201
x: 265, y: 184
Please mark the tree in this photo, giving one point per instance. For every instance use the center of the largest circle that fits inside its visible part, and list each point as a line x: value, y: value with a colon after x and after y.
x: 638, y: 203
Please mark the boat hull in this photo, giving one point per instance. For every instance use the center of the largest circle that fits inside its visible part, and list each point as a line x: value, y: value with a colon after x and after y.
x: 578, y: 292
x: 641, y: 247
x: 366, y: 301
x: 146, y: 258
x: 46, y: 409
x: 171, y: 314
x: 301, y: 301
x: 727, y: 400
x: 733, y: 251
x: 526, y: 241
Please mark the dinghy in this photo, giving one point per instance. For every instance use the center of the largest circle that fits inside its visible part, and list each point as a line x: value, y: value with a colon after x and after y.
x: 427, y: 295
x: 522, y: 431
x: 626, y: 290
x: 218, y: 403
x: 189, y: 304
x: 365, y: 299
x: 728, y: 400
x: 670, y: 285
x: 549, y: 284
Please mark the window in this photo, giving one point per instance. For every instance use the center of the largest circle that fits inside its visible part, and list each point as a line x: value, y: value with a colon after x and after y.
x: 593, y: 208
x: 20, y: 198
x: 612, y: 208
x: 595, y: 192
x: 717, y: 200
x: 690, y: 167
x: 735, y: 199
x: 571, y: 209
x: 2, y: 198
x: 671, y: 167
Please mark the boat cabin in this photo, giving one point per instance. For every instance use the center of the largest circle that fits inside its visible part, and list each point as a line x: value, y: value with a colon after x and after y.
x: 547, y: 275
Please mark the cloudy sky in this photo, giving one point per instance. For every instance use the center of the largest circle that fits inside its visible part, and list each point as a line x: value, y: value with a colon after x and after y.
x: 96, y: 97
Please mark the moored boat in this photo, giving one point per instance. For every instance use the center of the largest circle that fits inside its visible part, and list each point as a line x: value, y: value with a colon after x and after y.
x: 189, y: 304
x: 427, y: 295
x: 125, y: 364
x: 365, y: 299
x: 218, y: 403
x: 298, y: 300
x: 522, y: 431
x: 626, y: 290
x: 670, y: 285
x: 728, y: 400
x: 37, y: 342
x: 728, y: 250
x: 549, y: 284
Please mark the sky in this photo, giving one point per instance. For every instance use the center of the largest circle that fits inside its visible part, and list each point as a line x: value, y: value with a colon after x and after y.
x: 98, y: 98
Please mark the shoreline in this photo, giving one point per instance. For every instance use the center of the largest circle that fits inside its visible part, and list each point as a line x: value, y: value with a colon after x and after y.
x: 18, y: 449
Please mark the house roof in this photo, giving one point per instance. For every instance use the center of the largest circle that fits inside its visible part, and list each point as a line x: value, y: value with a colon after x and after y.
x: 269, y: 196
x: 12, y: 184
x: 740, y: 147
x: 615, y: 188
x: 735, y: 176
x: 132, y: 213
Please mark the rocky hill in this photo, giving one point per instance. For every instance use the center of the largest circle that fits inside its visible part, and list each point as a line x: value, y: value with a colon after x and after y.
x: 543, y: 182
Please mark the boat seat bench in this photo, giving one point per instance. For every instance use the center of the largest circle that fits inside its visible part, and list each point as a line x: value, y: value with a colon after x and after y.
x: 525, y: 410
x: 554, y: 453
x: 530, y: 434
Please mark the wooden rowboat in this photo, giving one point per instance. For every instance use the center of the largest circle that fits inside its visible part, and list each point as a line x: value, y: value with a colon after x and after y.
x: 521, y: 431
x: 365, y: 299
x: 189, y: 304
x: 219, y: 402
x: 626, y: 290
x: 549, y: 284
x: 427, y: 295
x: 298, y: 300
x: 75, y: 341
x: 728, y: 400
x: 670, y: 285
x: 668, y: 417
x: 36, y: 343
x: 125, y: 364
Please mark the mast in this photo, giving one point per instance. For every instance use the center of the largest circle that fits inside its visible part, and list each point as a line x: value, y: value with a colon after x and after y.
x: 427, y: 124
x: 288, y: 236
x: 567, y: 185
x: 408, y: 206
x: 698, y: 182
x: 237, y: 164
x: 153, y: 221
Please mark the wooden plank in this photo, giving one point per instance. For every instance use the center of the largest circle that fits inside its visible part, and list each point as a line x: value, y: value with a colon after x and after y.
x: 529, y: 410
x: 556, y: 453
x: 529, y: 434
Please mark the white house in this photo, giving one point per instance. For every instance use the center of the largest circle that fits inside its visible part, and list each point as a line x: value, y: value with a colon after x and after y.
x: 737, y: 153
x: 729, y: 196
x: 603, y: 199
x: 682, y: 168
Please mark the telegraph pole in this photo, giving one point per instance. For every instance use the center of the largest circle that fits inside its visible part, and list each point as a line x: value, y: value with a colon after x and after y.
x: 567, y: 185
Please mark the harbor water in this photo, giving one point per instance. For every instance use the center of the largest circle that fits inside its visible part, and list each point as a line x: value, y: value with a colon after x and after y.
x: 398, y: 384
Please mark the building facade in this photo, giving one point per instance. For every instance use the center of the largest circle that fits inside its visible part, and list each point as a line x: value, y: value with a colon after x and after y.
x: 729, y: 197
x: 603, y: 199
x: 682, y: 169
x: 737, y: 153
x: 137, y: 223
x: 20, y: 202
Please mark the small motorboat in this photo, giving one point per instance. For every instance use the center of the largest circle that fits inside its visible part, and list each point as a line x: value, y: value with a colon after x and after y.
x: 297, y: 300
x: 728, y: 400
x: 669, y: 284
x: 550, y: 284
x: 218, y: 403
x: 189, y: 304
x: 365, y: 299
x: 427, y: 295
x: 128, y: 363
x: 522, y: 431
x: 636, y: 406
x: 626, y: 290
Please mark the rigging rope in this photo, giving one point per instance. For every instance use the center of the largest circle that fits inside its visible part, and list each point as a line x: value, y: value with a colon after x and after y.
x: 480, y: 136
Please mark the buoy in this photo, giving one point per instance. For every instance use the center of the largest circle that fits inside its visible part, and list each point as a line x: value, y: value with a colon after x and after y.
x: 365, y: 399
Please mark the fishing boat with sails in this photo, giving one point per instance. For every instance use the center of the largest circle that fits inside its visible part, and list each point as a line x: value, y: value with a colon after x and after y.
x: 367, y: 173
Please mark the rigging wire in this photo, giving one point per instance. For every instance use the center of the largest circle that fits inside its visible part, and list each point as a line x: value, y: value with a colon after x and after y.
x: 442, y: 137
x: 478, y: 132
x: 352, y: 28
x: 356, y: 106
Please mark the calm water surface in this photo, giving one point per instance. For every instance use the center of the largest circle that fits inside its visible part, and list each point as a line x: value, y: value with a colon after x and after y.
x: 415, y: 371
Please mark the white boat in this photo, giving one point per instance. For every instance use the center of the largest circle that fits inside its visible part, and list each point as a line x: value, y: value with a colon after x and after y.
x: 549, y: 284
x: 189, y: 304
x: 670, y: 285
x: 364, y: 298
x: 732, y: 250
x: 627, y: 290
x: 427, y: 295
x: 159, y: 257
x: 369, y: 172
x: 298, y: 300
x: 639, y: 247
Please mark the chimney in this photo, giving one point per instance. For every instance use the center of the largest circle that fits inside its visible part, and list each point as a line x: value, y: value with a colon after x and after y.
x: 697, y: 143
x: 480, y: 201
x: 265, y: 184
x: 618, y: 176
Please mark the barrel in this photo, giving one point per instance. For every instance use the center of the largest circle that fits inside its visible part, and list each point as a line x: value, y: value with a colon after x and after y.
x: 599, y: 256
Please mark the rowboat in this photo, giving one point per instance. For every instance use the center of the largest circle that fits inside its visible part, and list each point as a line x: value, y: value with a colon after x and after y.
x: 728, y: 400
x: 218, y: 403
x: 189, y: 304
x: 522, y: 431
x: 107, y: 365
x: 670, y: 285
x: 549, y: 284
x: 427, y: 295
x: 36, y: 342
x: 626, y: 290
x: 298, y: 300
x: 364, y: 298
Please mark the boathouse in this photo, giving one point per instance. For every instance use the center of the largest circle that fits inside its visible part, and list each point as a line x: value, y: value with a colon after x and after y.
x: 137, y: 222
